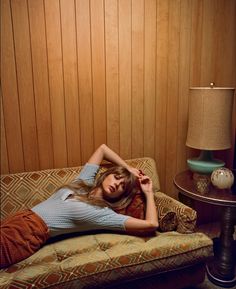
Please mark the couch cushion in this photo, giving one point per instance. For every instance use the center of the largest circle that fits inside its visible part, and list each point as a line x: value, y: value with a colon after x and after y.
x: 99, y: 259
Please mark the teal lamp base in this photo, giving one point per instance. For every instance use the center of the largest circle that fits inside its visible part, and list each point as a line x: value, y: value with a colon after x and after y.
x: 205, y: 163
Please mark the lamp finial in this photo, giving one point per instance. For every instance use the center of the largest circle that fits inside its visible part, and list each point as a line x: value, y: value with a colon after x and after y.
x: 212, y: 84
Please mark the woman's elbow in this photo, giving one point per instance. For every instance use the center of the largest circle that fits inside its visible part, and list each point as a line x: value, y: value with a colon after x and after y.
x: 137, y: 225
x: 103, y: 147
x: 152, y: 226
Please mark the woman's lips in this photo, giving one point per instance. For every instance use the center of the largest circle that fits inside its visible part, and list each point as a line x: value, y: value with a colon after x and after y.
x: 112, y: 189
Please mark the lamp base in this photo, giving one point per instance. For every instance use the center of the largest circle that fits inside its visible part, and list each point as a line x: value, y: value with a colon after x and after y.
x: 205, y: 163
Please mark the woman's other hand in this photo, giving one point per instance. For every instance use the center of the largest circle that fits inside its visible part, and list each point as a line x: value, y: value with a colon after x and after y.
x: 150, y: 223
x: 146, y: 184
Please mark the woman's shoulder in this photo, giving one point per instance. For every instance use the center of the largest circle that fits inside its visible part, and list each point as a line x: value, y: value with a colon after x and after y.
x: 88, y: 174
x: 88, y: 168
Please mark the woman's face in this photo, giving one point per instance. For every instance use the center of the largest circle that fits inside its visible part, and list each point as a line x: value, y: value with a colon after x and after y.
x: 113, y: 186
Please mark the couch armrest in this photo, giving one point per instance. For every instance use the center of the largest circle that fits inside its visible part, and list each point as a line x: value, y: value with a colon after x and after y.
x: 186, y: 216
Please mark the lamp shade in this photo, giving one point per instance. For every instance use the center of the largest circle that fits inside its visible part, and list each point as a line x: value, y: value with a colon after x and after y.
x: 210, y: 118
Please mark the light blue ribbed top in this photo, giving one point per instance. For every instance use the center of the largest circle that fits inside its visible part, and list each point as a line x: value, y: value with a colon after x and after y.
x: 64, y: 215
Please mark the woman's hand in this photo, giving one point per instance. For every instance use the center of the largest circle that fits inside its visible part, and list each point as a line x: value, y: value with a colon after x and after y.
x: 146, y: 184
x: 137, y: 173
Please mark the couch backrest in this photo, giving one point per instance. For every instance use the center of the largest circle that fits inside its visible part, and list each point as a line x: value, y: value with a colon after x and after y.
x: 24, y: 190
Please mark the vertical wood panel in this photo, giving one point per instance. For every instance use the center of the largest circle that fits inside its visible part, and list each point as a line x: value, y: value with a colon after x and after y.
x: 78, y: 73
x: 125, y: 78
x: 161, y: 87
x: 196, y: 42
x: 137, y: 77
x: 25, y: 83
x: 184, y: 82
x: 40, y: 77
x: 112, y: 78
x: 207, y: 56
x: 173, y: 97
x: 225, y: 55
x: 70, y: 81
x: 55, y: 70
x: 98, y: 71
x: 9, y: 92
x: 149, y: 78
x: 85, y: 78
x: 4, y: 167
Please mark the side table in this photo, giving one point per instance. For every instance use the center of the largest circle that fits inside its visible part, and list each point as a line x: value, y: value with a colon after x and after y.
x: 221, y: 271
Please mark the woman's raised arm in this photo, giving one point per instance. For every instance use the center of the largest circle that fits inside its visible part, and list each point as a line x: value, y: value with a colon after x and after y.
x: 103, y: 152
x: 151, y: 220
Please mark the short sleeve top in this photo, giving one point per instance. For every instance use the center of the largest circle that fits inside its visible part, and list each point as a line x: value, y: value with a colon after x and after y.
x: 63, y: 215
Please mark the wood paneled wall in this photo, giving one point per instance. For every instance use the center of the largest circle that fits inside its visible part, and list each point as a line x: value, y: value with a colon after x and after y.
x: 78, y: 73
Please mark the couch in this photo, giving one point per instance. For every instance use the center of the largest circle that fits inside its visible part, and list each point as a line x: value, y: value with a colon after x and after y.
x: 173, y: 257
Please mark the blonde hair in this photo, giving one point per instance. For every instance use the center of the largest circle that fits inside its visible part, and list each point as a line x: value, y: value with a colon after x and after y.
x: 82, y: 190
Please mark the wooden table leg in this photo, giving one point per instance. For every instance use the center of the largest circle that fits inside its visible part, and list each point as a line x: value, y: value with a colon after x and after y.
x: 222, y: 270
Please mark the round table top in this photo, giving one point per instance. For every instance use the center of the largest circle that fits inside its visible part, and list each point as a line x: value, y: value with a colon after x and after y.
x: 185, y: 183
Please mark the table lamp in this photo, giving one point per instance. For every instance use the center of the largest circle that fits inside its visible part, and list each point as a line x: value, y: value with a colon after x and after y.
x: 209, y: 125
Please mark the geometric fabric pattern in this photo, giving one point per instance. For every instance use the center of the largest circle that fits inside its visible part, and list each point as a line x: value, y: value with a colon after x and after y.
x: 25, y: 190
x: 101, y: 259
x: 98, y: 259
x: 186, y: 216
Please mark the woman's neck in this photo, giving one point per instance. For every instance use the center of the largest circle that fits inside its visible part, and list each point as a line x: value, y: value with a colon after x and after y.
x: 96, y: 194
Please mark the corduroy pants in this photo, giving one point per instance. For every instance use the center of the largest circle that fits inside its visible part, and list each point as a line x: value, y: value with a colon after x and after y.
x: 21, y: 235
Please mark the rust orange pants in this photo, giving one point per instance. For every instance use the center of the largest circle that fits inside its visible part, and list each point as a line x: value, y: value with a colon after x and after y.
x: 22, y: 234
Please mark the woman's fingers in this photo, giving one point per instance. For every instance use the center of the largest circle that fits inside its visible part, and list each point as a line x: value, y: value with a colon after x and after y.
x: 145, y: 184
x: 144, y: 179
x: 135, y: 172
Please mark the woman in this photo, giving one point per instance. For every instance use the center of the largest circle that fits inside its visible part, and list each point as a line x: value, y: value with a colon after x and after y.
x: 80, y: 206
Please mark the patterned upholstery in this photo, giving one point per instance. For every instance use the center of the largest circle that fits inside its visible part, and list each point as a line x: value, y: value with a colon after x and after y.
x: 100, y: 259
x: 96, y: 259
